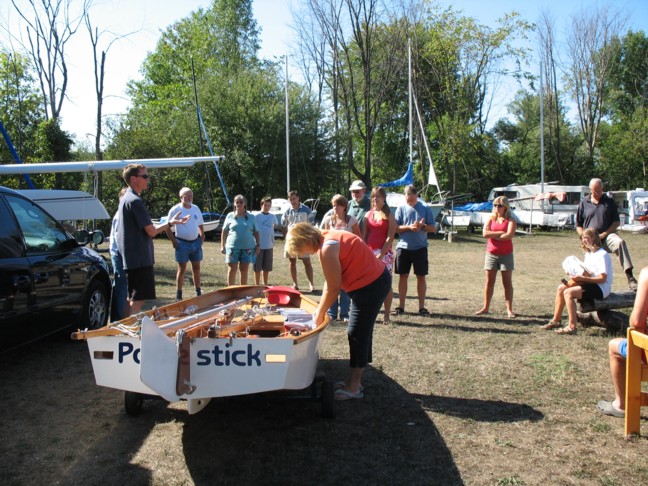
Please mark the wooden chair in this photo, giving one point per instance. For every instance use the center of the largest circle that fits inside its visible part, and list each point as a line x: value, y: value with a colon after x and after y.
x: 636, y: 372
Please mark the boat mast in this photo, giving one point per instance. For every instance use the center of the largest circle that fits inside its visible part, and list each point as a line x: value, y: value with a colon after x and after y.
x: 409, y: 91
x: 287, y: 134
x: 542, y: 157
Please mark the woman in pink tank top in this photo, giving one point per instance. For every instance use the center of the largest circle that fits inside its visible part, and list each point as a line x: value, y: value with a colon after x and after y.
x: 378, y: 231
x: 500, y: 230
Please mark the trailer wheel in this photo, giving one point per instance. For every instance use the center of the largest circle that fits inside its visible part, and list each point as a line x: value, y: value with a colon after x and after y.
x: 328, y: 399
x: 133, y: 403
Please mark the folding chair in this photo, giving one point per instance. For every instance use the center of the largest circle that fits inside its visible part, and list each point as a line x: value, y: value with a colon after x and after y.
x: 636, y: 372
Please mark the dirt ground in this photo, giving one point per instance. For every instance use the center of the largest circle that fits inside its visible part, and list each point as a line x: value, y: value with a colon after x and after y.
x: 450, y: 399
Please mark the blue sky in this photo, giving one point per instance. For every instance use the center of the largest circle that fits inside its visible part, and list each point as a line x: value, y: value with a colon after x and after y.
x: 149, y: 17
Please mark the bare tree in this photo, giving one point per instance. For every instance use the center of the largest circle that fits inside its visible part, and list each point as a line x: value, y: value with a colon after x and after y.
x: 358, y: 70
x: 590, y: 51
x: 99, y: 67
x: 547, y: 52
x: 50, y: 25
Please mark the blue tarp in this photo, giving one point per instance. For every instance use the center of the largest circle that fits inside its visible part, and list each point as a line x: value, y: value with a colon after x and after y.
x: 406, y: 180
x: 475, y: 206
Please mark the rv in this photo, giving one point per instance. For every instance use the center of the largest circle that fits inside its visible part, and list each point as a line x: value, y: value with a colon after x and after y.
x: 550, y: 205
x: 633, y: 208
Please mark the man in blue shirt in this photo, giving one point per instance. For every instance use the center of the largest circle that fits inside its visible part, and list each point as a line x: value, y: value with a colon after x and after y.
x: 414, y: 221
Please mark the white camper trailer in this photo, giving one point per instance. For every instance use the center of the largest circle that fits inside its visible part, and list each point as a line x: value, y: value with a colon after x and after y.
x: 550, y: 205
x: 633, y: 208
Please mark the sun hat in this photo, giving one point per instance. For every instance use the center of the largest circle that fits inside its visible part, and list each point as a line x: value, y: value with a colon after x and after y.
x: 356, y: 185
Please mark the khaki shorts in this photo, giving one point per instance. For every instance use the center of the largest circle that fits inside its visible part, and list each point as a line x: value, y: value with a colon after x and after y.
x: 286, y: 255
x: 499, y: 262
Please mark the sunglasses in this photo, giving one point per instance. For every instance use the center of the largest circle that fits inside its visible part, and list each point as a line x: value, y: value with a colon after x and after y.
x: 499, y: 205
x: 143, y: 176
x: 356, y: 191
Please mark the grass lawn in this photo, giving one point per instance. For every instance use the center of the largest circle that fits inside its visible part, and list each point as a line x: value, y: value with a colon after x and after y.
x: 450, y: 399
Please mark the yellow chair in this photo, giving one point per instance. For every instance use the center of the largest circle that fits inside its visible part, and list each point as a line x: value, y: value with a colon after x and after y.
x: 636, y: 372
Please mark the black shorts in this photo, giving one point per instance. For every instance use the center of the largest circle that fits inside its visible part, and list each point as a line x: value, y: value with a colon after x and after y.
x: 406, y: 258
x: 141, y: 283
x: 264, y: 260
x: 591, y: 291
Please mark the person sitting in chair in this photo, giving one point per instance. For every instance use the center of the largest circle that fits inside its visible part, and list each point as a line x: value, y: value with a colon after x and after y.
x: 618, y: 351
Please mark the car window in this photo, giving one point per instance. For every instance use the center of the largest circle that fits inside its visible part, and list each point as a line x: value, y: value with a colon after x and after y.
x: 41, y: 232
x: 10, y: 242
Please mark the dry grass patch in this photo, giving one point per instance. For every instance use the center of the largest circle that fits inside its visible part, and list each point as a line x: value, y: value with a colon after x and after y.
x: 450, y: 399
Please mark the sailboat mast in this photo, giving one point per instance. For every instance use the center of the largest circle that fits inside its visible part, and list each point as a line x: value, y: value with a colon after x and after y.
x: 542, y: 158
x: 409, y: 90
x: 287, y: 134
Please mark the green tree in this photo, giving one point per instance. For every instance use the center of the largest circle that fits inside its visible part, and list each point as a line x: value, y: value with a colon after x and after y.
x: 624, y: 142
x: 242, y: 103
x: 520, y: 141
x: 457, y: 62
x: 19, y: 105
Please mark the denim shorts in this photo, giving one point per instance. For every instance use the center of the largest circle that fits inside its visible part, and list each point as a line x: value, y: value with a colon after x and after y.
x: 240, y: 256
x: 188, y: 250
x: 623, y: 348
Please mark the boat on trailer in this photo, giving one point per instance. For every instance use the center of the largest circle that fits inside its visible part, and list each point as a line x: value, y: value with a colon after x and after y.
x: 237, y: 340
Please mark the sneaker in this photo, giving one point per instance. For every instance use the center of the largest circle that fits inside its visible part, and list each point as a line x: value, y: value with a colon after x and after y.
x: 632, y: 283
x: 198, y: 292
x: 178, y: 294
x: 345, y: 320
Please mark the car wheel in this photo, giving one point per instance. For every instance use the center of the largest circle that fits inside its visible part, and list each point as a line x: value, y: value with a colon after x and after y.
x: 95, y: 306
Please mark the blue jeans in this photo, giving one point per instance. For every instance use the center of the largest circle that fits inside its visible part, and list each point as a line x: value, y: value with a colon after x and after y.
x: 120, y: 288
x: 345, y: 301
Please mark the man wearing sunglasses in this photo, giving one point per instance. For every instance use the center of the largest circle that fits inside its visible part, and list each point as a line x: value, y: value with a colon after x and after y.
x: 135, y: 238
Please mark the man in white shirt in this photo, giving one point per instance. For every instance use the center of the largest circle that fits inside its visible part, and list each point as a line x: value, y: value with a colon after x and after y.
x: 187, y: 240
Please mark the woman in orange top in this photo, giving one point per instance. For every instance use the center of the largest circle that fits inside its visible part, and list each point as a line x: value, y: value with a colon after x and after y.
x: 500, y: 230
x: 348, y: 264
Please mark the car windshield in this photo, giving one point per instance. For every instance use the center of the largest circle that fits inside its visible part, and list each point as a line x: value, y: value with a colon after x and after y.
x: 41, y: 232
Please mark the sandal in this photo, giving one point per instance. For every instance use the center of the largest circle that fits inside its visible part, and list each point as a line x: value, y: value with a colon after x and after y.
x: 342, y: 394
x: 341, y: 384
x: 424, y: 312
x: 551, y: 325
x: 567, y: 330
x: 608, y: 408
x: 398, y: 311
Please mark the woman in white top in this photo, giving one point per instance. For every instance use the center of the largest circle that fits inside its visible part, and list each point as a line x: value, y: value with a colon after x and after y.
x: 596, y: 283
x: 338, y: 219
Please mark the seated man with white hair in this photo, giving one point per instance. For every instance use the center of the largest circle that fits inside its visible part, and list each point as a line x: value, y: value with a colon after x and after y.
x: 600, y: 212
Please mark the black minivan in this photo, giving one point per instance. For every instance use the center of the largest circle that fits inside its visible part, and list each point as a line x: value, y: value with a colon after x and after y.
x: 48, y: 280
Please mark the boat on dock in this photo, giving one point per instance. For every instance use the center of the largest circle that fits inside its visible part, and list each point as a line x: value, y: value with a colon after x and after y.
x: 238, y: 340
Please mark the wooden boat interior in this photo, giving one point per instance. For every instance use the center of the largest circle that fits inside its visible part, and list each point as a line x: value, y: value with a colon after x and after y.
x: 236, y: 312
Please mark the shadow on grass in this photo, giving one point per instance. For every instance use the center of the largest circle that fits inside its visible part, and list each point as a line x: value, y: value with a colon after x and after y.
x: 61, y: 427
x: 480, y: 410
x: 432, y: 323
x: 384, y: 438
